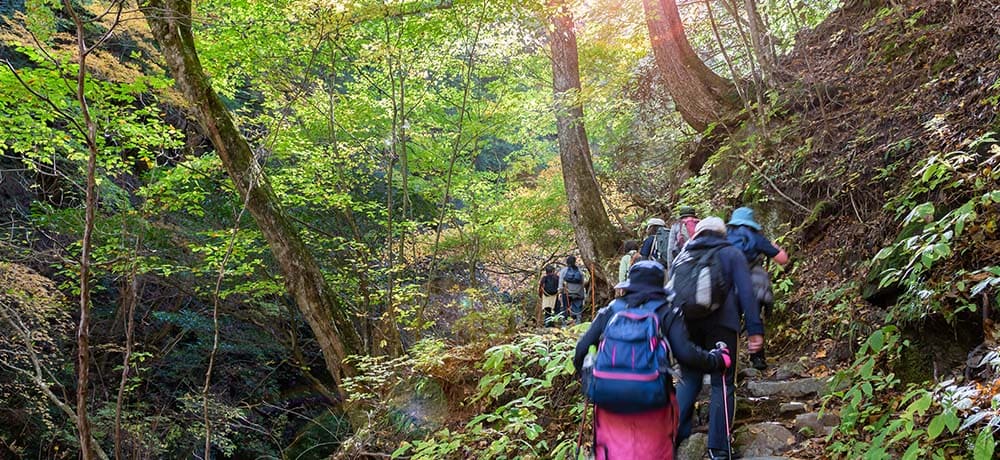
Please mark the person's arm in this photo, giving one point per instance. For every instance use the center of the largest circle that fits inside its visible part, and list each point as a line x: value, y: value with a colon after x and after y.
x: 771, y: 250
x: 591, y: 337
x: 562, y: 273
x: 736, y: 266
x: 647, y: 247
x: 782, y: 257
x: 685, y: 351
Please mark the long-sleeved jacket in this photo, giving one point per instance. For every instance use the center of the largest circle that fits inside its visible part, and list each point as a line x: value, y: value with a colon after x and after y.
x: 673, y: 328
x: 740, y: 301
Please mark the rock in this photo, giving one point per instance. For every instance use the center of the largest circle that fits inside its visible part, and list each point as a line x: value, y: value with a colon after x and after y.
x: 788, y: 371
x: 820, y: 426
x: 793, y: 407
x: 693, y: 448
x: 749, y: 373
x: 763, y: 439
x: 788, y: 388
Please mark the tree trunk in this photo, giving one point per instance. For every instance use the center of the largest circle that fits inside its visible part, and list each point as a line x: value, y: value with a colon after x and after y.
x: 594, y: 234
x: 700, y: 95
x: 170, y: 23
x: 761, y: 41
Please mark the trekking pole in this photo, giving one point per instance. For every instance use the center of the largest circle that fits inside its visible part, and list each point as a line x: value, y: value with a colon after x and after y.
x: 583, y: 422
x: 720, y: 345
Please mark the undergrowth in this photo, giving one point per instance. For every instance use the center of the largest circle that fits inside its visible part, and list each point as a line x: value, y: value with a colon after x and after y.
x: 520, y: 397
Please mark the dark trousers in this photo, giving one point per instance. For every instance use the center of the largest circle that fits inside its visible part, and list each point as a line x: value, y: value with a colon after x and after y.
x: 690, y: 384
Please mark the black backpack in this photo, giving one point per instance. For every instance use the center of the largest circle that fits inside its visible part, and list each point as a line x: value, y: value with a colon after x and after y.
x: 661, y: 245
x: 550, y: 284
x: 698, y: 282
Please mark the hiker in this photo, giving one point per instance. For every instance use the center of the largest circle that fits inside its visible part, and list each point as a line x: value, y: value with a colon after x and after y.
x: 548, y: 291
x: 731, y: 295
x: 680, y: 233
x: 745, y: 234
x: 629, y: 249
x: 636, y: 418
x: 650, y: 251
x: 573, y: 288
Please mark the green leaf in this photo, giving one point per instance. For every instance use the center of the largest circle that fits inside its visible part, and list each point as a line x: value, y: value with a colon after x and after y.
x: 921, y: 211
x: 936, y: 427
x: 921, y: 405
x: 984, y: 445
x: 951, y: 420
x: 876, y: 341
x: 913, y: 452
x: 403, y: 448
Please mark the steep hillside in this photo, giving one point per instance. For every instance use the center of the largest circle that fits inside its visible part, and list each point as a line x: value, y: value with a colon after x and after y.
x: 879, y: 169
x: 882, y: 109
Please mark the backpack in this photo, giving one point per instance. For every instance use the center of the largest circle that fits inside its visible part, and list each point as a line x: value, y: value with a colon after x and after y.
x: 661, y: 246
x: 698, y: 283
x: 573, y: 280
x: 550, y: 284
x: 680, y: 233
x: 687, y: 227
x: 631, y: 371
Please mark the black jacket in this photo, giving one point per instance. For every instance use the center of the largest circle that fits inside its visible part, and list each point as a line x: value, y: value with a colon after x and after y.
x: 673, y: 328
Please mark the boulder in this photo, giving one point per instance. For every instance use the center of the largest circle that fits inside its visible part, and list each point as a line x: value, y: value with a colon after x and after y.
x: 788, y: 371
x: 788, y: 388
x: 693, y: 448
x: 763, y: 439
x: 792, y: 408
x: 748, y: 373
x: 820, y: 426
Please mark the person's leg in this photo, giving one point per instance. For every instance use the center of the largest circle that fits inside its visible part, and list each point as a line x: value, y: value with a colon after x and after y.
x: 577, y: 310
x: 688, y: 388
x: 723, y: 404
x: 548, y: 304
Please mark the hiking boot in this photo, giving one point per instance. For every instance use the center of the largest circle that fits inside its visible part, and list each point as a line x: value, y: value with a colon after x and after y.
x: 718, y: 454
x: 757, y: 361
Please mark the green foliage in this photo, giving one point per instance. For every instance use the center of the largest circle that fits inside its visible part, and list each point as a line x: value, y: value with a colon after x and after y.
x: 880, y: 421
x: 934, y: 243
x: 933, y: 237
x: 524, y: 384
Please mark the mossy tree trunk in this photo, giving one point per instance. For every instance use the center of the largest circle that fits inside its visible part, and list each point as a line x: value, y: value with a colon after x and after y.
x: 700, y: 95
x: 170, y: 22
x: 594, y: 234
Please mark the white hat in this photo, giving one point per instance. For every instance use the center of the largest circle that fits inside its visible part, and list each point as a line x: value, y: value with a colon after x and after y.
x: 712, y: 224
x: 655, y: 221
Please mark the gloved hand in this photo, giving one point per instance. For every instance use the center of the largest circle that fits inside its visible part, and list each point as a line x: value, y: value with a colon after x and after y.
x: 722, y: 352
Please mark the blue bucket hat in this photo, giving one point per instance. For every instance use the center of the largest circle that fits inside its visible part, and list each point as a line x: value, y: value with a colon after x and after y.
x: 744, y: 216
x: 644, y: 275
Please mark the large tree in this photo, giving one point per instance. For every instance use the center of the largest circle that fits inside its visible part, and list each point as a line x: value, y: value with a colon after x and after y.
x: 170, y: 22
x: 700, y: 95
x: 594, y: 234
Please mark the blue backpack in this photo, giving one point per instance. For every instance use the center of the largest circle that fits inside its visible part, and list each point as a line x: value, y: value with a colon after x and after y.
x: 573, y: 275
x: 632, y: 371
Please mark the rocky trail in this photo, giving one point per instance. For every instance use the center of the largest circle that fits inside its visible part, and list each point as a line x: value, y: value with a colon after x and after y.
x: 778, y: 415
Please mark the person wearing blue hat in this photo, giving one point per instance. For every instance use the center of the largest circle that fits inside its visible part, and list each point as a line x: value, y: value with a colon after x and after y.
x: 745, y: 233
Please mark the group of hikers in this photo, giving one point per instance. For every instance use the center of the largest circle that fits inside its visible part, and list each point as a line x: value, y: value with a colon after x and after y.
x: 682, y: 299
